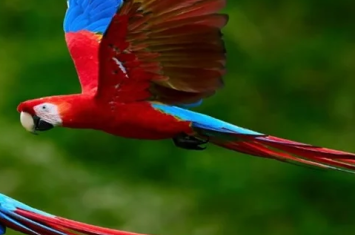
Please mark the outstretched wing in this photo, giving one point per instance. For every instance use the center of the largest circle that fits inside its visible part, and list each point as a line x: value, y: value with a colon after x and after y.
x: 20, y: 217
x: 169, y: 51
x: 84, y: 23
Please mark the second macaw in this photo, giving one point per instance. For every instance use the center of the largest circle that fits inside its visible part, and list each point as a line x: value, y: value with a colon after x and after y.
x: 142, y: 64
x: 28, y: 220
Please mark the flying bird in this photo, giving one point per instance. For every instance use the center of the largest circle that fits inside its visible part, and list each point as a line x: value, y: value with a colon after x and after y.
x: 25, y: 219
x: 142, y: 66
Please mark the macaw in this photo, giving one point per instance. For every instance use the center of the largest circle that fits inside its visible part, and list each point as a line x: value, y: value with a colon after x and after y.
x: 142, y: 66
x: 28, y: 220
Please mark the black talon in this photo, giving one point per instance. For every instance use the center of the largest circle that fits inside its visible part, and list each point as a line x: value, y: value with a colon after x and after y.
x: 189, y: 142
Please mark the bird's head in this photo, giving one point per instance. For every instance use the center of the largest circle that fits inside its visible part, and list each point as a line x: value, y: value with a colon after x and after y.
x: 41, y: 114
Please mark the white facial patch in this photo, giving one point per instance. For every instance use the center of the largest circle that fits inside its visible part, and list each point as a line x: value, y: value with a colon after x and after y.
x: 49, y: 113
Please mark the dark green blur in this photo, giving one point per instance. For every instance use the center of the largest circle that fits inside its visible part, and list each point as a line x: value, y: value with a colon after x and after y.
x: 291, y: 73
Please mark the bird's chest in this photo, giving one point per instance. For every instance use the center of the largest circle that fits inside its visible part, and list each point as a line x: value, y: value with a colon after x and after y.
x: 142, y: 121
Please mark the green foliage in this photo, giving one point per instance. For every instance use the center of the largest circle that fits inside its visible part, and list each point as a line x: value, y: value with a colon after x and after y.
x: 291, y: 73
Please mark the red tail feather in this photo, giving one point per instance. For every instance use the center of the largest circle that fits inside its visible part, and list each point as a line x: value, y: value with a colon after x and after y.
x: 291, y: 151
x: 70, y: 227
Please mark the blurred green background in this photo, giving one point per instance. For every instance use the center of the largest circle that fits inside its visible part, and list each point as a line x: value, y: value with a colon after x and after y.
x: 291, y: 69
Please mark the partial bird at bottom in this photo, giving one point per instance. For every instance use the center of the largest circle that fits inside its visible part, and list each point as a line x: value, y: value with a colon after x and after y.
x: 25, y: 219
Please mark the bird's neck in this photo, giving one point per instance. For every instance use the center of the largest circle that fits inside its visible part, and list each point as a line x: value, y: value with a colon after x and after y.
x: 83, y: 112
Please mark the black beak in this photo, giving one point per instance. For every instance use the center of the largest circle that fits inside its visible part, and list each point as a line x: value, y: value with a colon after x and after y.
x: 41, y: 125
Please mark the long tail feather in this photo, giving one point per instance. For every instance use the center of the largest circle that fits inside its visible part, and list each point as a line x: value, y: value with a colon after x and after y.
x: 281, y: 149
x: 20, y: 217
x: 258, y: 144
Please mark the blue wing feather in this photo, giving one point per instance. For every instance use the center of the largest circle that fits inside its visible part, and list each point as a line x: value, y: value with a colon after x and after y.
x: 91, y: 15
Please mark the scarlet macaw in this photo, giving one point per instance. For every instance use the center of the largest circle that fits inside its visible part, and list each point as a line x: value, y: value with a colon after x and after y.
x: 142, y: 64
x: 25, y: 219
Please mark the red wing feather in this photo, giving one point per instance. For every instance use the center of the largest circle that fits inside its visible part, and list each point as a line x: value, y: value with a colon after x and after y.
x: 169, y: 51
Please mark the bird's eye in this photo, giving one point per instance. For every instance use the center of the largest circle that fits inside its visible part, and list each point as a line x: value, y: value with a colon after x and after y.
x: 44, y: 107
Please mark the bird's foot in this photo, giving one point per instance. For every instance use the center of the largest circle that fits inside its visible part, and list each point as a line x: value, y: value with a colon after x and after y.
x: 189, y: 142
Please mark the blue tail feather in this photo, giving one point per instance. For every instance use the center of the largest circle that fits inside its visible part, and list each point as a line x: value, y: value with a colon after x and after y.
x: 2, y: 228
x: 203, y: 121
x: 8, y: 207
